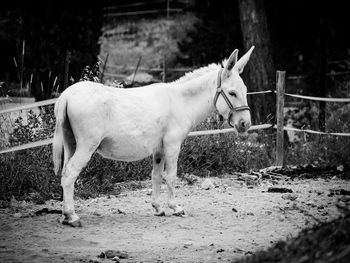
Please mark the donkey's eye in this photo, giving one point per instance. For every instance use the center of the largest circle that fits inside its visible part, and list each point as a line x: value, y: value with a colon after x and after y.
x: 232, y: 93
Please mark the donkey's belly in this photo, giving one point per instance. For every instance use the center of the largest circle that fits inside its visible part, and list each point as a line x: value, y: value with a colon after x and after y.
x: 127, y: 149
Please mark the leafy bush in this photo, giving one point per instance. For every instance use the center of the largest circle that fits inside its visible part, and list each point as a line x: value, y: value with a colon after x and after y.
x: 325, y: 149
x: 37, y: 126
x: 27, y: 171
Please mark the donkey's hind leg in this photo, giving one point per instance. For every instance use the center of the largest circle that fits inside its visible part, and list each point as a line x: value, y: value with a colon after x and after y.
x: 69, y: 145
x: 73, y: 168
x: 158, y: 168
x: 171, y: 157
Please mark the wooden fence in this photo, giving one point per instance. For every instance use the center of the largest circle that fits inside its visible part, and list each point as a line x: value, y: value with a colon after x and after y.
x: 280, y: 99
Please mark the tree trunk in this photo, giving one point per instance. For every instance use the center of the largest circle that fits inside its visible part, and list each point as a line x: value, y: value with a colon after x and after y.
x: 259, y: 73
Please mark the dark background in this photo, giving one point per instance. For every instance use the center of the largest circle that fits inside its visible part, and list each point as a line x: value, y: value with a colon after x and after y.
x: 297, y: 29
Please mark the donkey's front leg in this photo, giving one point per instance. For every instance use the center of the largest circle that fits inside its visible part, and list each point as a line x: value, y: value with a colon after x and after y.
x: 171, y: 157
x: 158, y: 168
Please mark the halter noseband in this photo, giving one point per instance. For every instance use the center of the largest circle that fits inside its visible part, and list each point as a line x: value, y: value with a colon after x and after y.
x: 220, y: 91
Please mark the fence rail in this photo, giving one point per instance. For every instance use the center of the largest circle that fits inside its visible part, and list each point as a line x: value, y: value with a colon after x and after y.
x: 280, y: 87
x: 316, y: 132
x: 29, y: 106
x: 318, y: 98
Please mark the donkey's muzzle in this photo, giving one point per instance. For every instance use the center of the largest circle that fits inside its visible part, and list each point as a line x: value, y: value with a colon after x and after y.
x: 242, y: 126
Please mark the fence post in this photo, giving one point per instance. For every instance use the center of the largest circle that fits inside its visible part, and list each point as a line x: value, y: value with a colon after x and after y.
x: 104, y: 68
x: 164, y: 68
x: 280, y: 87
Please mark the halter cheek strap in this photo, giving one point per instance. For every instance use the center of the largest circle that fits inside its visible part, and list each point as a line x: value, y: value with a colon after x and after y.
x: 219, y: 91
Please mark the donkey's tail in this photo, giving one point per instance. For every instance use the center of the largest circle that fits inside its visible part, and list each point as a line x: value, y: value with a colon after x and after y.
x: 57, y: 146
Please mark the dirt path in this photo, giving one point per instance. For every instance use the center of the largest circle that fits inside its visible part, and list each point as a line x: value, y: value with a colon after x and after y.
x: 222, y: 223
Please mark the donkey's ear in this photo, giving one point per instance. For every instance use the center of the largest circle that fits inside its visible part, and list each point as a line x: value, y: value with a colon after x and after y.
x: 239, y: 66
x: 230, y: 63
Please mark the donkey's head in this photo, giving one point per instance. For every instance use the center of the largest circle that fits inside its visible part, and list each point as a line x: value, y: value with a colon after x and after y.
x: 231, y: 97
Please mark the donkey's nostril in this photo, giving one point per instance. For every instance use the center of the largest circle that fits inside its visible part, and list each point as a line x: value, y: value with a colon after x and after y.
x: 243, y: 126
x: 242, y: 123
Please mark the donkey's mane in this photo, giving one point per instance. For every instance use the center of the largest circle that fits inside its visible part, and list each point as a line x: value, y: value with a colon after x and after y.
x: 199, y: 72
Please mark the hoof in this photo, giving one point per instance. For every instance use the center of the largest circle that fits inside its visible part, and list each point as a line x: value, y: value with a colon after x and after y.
x: 161, y: 213
x: 75, y: 223
x: 64, y: 221
x: 179, y: 213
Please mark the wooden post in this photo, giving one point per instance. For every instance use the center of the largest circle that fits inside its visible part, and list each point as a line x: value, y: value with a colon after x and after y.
x: 22, y: 70
x: 135, y: 71
x: 164, y: 68
x: 104, y: 68
x: 66, y: 70
x: 167, y: 8
x: 280, y: 87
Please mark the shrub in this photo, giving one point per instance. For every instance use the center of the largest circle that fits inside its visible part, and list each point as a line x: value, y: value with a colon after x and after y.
x: 37, y: 126
x: 31, y: 170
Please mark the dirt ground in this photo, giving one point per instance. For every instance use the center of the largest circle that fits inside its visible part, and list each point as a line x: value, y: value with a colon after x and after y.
x: 231, y: 220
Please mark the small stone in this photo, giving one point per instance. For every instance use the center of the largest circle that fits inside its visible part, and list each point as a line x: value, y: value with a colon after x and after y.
x: 116, y: 259
x: 281, y: 218
x: 220, y: 250
x: 191, y: 179
x: 17, y: 215
x: 116, y: 253
x: 340, y: 168
x: 234, y: 210
x: 319, y: 192
x: 207, y: 184
x: 95, y: 213
x: 291, y: 197
x: 14, y: 202
x: 188, y: 244
x: 121, y: 211
x: 250, y: 214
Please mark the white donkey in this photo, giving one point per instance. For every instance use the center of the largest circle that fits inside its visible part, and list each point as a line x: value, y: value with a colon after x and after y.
x: 131, y: 124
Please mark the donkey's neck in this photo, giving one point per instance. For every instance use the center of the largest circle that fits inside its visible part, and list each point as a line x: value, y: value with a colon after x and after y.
x: 197, y: 96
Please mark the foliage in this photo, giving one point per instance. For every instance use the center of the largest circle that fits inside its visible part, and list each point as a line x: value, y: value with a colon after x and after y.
x: 34, y: 128
x: 91, y: 74
x: 49, y: 29
x: 27, y: 171
x: 324, y: 149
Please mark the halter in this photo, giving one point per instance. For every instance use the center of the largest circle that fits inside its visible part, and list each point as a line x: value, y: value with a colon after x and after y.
x: 220, y: 91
